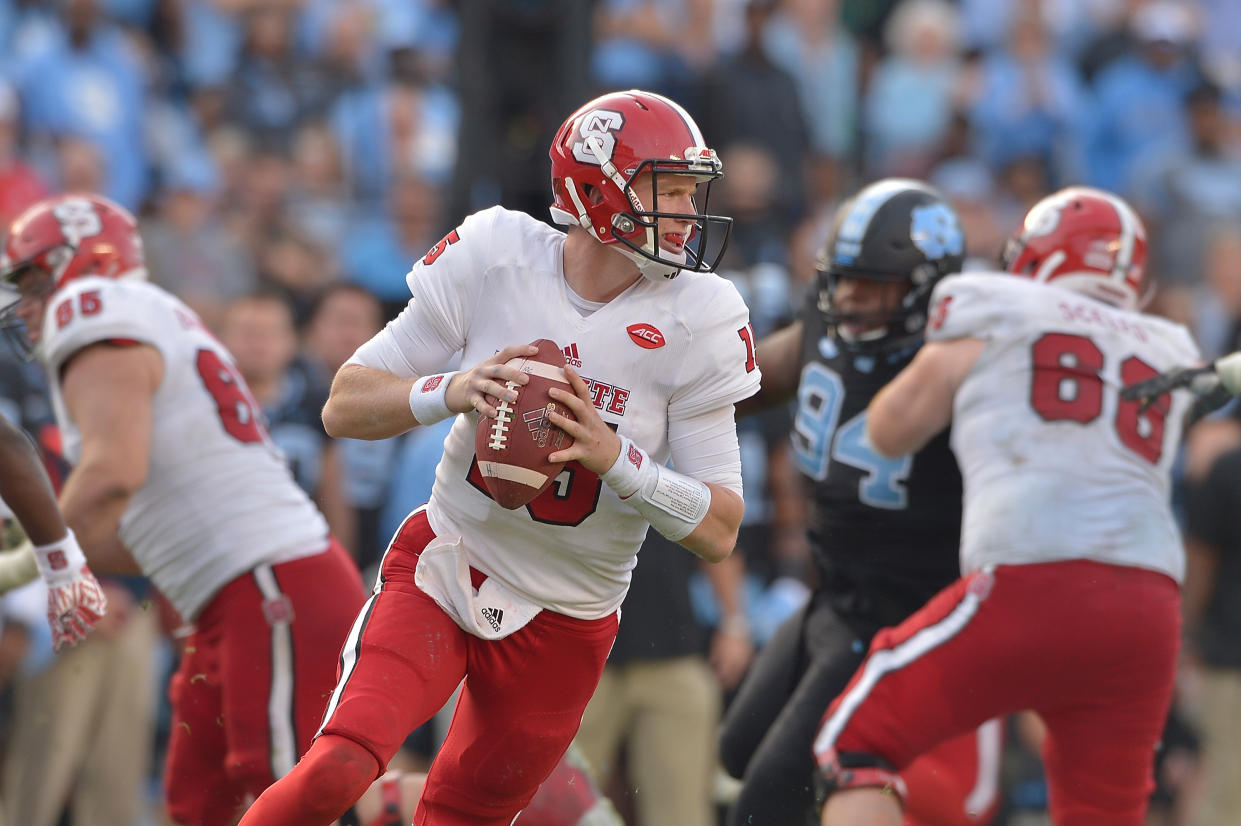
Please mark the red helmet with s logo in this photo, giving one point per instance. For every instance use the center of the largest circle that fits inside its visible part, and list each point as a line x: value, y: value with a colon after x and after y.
x: 60, y: 239
x: 603, y: 147
x: 1085, y: 240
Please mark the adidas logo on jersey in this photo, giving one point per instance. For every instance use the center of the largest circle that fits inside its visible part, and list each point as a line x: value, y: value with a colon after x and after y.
x: 571, y: 356
x: 494, y: 617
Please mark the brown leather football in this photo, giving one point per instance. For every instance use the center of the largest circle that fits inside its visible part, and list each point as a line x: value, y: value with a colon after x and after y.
x: 512, y: 449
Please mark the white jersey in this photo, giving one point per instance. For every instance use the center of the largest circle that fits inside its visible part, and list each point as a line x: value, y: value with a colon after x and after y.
x: 218, y: 498
x: 658, y: 353
x: 1056, y: 466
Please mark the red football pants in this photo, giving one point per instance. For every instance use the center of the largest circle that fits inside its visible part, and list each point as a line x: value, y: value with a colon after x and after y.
x: 957, y: 782
x: 254, y: 679
x: 521, y: 704
x: 1091, y: 647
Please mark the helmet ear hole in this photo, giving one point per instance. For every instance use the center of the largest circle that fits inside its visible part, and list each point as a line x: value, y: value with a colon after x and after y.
x: 593, y: 194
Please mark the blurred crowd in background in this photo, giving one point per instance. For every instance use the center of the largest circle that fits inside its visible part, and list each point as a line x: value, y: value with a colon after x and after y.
x: 290, y: 159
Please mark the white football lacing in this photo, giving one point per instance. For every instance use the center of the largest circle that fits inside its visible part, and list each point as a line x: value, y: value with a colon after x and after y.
x: 499, y: 430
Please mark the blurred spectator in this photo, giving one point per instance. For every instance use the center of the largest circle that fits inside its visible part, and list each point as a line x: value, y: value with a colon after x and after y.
x: 380, y: 248
x: 261, y: 173
x: 1023, y: 181
x: 86, y: 80
x: 401, y: 127
x: 258, y: 330
x: 1139, y: 107
x: 651, y: 44
x: 210, y: 43
x: 319, y: 205
x: 273, y: 90
x: 287, y: 258
x: 355, y: 36
x: 20, y: 185
x: 1214, y: 313
x: 80, y: 166
x: 229, y: 149
x: 909, y: 102
x: 296, y: 265
x: 986, y: 24
x: 1212, y: 595
x: 748, y: 99
x: 1188, y: 188
x: 338, y: 34
x: 190, y: 252
x: 969, y: 186
x: 1030, y: 101
x: 751, y: 194
x: 343, y: 317
x: 83, y: 720
x: 805, y: 38
x: 1221, y: 32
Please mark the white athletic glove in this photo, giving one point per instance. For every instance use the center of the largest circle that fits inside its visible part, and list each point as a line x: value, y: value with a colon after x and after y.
x: 75, y: 602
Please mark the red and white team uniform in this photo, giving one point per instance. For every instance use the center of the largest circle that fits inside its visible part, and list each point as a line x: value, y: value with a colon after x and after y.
x: 1064, y: 577
x: 636, y: 353
x: 657, y: 358
x: 221, y: 528
x: 1044, y: 392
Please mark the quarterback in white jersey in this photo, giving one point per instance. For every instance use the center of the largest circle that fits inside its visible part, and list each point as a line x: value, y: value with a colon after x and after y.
x: 501, y: 282
x: 523, y: 604
x: 174, y: 469
x: 1069, y: 601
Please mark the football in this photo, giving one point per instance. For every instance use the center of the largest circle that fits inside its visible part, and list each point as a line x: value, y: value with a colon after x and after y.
x: 512, y: 449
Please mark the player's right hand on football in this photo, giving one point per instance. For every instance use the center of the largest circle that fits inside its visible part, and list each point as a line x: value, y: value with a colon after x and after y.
x: 483, y: 386
x: 595, y: 445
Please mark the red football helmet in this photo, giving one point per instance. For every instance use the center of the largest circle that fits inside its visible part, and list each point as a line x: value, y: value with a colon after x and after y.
x: 55, y: 241
x: 1083, y: 239
x: 599, y: 152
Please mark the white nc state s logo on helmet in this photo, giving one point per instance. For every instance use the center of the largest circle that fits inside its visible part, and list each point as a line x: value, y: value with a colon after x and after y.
x: 78, y: 219
x: 598, y: 123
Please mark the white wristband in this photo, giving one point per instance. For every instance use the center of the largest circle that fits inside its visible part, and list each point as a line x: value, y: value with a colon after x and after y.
x: 60, y: 561
x: 672, y: 502
x: 428, y: 398
x: 626, y: 473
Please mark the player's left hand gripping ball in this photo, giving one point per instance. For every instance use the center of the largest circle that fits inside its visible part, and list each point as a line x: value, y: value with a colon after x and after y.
x: 512, y: 449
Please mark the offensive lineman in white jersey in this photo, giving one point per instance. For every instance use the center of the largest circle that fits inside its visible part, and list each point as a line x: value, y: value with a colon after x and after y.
x: 1069, y: 601
x: 660, y: 350
x: 172, y: 466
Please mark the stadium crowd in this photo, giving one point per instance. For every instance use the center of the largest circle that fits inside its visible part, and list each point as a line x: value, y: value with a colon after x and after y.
x: 289, y: 160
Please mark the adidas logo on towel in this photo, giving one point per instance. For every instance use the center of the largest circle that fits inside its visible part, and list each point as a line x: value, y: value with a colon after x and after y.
x: 494, y: 617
